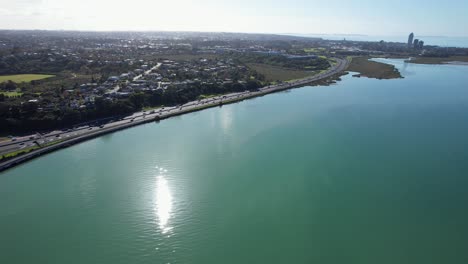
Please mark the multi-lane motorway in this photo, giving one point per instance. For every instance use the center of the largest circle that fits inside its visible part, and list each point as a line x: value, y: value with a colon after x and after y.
x: 111, y: 124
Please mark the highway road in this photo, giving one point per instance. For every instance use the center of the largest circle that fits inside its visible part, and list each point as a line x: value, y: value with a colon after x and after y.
x: 115, y: 123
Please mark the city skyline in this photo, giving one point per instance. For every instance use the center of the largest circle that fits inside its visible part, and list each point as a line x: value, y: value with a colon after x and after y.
x: 313, y: 17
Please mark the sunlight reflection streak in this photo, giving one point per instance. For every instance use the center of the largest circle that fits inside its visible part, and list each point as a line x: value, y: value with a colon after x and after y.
x: 163, y: 204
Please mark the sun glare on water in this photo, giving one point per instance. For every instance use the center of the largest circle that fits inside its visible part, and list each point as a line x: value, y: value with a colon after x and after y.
x: 163, y: 202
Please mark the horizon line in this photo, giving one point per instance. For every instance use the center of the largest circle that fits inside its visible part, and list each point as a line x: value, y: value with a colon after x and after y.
x: 230, y: 32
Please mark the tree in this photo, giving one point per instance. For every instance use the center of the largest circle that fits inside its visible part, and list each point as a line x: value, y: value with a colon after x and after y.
x: 10, y: 85
x: 137, y: 99
x: 252, y: 85
x: 29, y: 108
x: 71, y: 116
x: 102, y: 106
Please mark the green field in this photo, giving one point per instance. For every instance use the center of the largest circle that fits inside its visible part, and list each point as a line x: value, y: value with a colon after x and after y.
x: 310, y: 50
x: 187, y: 57
x: 18, y: 78
x: 273, y: 73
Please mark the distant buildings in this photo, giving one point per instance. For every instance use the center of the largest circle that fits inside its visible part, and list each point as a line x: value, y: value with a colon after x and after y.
x: 421, y: 44
x: 414, y: 43
x: 410, y: 40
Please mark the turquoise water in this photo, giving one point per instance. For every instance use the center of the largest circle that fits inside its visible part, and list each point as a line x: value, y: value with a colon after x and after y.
x: 365, y: 171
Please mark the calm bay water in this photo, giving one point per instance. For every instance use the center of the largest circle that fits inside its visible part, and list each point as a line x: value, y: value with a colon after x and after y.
x: 460, y: 42
x: 364, y: 171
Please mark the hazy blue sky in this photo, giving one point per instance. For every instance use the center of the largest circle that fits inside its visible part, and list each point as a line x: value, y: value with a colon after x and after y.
x: 397, y: 17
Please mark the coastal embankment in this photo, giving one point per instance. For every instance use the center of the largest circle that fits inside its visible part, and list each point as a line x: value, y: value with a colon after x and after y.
x: 164, y: 113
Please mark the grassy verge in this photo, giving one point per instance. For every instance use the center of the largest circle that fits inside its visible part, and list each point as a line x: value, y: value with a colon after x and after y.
x: 439, y: 60
x: 149, y: 108
x: 19, y: 78
x: 273, y: 73
x: 373, y: 69
x: 20, y: 152
x: 206, y: 96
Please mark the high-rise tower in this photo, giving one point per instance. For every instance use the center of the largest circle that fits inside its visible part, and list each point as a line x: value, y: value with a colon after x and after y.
x: 421, y: 44
x: 410, y: 40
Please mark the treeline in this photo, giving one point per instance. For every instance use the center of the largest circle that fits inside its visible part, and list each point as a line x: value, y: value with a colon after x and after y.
x: 446, y: 52
x: 19, y: 117
x: 44, y: 62
x: 39, y: 63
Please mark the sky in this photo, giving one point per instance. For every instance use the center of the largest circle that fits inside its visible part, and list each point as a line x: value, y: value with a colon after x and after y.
x: 367, y: 17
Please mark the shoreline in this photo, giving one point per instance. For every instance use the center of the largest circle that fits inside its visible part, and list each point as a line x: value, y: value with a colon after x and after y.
x: 452, y: 60
x: 321, y: 79
x: 462, y: 63
x: 365, y: 67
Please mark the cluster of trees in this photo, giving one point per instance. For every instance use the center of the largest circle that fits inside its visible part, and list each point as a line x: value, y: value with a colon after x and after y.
x: 23, y: 116
x: 40, y: 63
x: 44, y: 62
x: 8, y: 86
